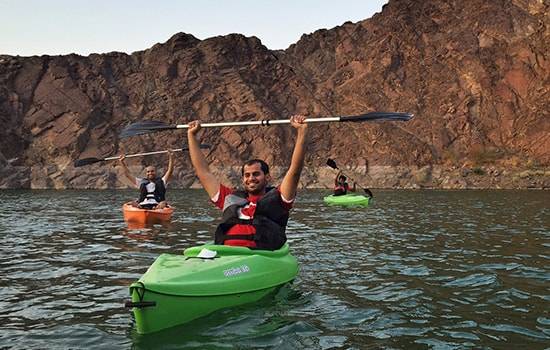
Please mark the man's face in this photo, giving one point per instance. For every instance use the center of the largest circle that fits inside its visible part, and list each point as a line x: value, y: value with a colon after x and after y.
x: 150, y: 173
x: 254, y: 179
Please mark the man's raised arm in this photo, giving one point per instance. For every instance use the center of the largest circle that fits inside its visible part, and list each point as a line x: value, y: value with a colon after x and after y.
x: 207, y: 179
x: 290, y: 181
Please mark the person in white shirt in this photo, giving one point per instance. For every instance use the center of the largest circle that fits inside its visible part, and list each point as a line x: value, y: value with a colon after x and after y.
x: 152, y: 188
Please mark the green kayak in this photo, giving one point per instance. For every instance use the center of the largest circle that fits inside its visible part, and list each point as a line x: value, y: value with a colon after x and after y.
x: 347, y: 199
x: 179, y: 288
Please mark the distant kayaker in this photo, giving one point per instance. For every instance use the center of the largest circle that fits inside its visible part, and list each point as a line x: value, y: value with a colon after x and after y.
x: 341, y: 186
x: 255, y: 216
x: 152, y: 188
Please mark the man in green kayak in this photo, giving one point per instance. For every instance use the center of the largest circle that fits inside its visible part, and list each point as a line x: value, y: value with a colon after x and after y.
x: 255, y: 216
x: 341, y: 186
x: 152, y: 188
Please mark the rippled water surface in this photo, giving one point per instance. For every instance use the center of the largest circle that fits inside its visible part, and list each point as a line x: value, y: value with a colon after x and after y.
x: 416, y: 270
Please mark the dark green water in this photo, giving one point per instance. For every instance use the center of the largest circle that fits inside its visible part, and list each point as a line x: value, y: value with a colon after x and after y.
x: 417, y: 270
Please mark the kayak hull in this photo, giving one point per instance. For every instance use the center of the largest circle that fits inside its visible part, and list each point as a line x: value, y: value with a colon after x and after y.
x: 179, y: 288
x: 347, y: 200
x: 133, y: 215
x: 170, y: 311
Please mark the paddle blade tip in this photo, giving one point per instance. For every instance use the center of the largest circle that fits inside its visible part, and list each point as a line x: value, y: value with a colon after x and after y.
x: 144, y: 127
x: 331, y: 163
x: 85, y: 161
x: 378, y: 116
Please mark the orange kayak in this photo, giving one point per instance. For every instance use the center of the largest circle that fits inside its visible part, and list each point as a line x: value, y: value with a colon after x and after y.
x: 146, y: 216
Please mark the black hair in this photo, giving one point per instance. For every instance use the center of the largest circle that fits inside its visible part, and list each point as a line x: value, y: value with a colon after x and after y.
x: 263, y: 165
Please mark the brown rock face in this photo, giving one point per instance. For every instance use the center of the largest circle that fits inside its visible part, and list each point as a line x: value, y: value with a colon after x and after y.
x: 475, y: 73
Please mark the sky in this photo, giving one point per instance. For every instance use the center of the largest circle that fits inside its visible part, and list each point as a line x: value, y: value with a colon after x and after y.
x: 56, y: 27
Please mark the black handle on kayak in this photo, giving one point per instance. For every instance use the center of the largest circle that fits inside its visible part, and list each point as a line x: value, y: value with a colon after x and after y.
x: 139, y: 304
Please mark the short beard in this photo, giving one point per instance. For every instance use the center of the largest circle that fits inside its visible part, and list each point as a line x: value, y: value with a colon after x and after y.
x: 257, y: 191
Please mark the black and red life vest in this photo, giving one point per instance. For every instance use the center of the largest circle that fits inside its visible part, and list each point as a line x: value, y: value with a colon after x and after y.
x: 269, y: 220
x: 160, y: 190
x: 341, y: 188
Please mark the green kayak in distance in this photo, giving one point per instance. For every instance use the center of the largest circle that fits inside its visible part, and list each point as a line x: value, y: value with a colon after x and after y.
x: 179, y: 288
x: 348, y: 199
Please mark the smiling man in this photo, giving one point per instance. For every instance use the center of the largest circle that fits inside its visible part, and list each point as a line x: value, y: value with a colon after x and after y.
x: 255, y: 216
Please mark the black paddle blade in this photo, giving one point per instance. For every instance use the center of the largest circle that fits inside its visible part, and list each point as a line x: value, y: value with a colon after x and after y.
x: 368, y: 192
x: 185, y: 146
x: 395, y: 116
x: 86, y: 161
x: 144, y: 127
x: 331, y: 163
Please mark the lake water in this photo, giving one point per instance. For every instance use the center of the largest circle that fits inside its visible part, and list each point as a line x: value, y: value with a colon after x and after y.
x: 416, y: 270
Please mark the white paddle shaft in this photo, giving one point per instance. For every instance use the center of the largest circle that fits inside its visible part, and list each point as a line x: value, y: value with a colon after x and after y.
x: 266, y: 122
x: 144, y: 154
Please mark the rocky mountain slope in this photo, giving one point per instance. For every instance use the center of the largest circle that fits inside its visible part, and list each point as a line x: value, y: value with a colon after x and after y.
x: 475, y: 74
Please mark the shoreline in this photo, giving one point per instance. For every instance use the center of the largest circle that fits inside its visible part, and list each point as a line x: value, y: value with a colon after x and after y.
x: 376, y: 177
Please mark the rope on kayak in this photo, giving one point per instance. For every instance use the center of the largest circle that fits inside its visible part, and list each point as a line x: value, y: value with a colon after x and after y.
x: 140, y: 291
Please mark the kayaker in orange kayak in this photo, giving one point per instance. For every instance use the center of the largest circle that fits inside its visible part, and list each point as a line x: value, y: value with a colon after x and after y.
x: 255, y: 216
x: 152, y: 188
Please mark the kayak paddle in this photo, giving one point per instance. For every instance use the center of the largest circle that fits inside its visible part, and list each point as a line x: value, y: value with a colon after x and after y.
x: 331, y: 163
x: 149, y: 126
x: 87, y: 161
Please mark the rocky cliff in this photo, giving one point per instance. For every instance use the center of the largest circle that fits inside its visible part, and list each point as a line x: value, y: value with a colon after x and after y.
x: 475, y: 74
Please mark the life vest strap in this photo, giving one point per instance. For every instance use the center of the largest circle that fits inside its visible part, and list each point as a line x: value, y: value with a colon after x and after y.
x: 243, y: 237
